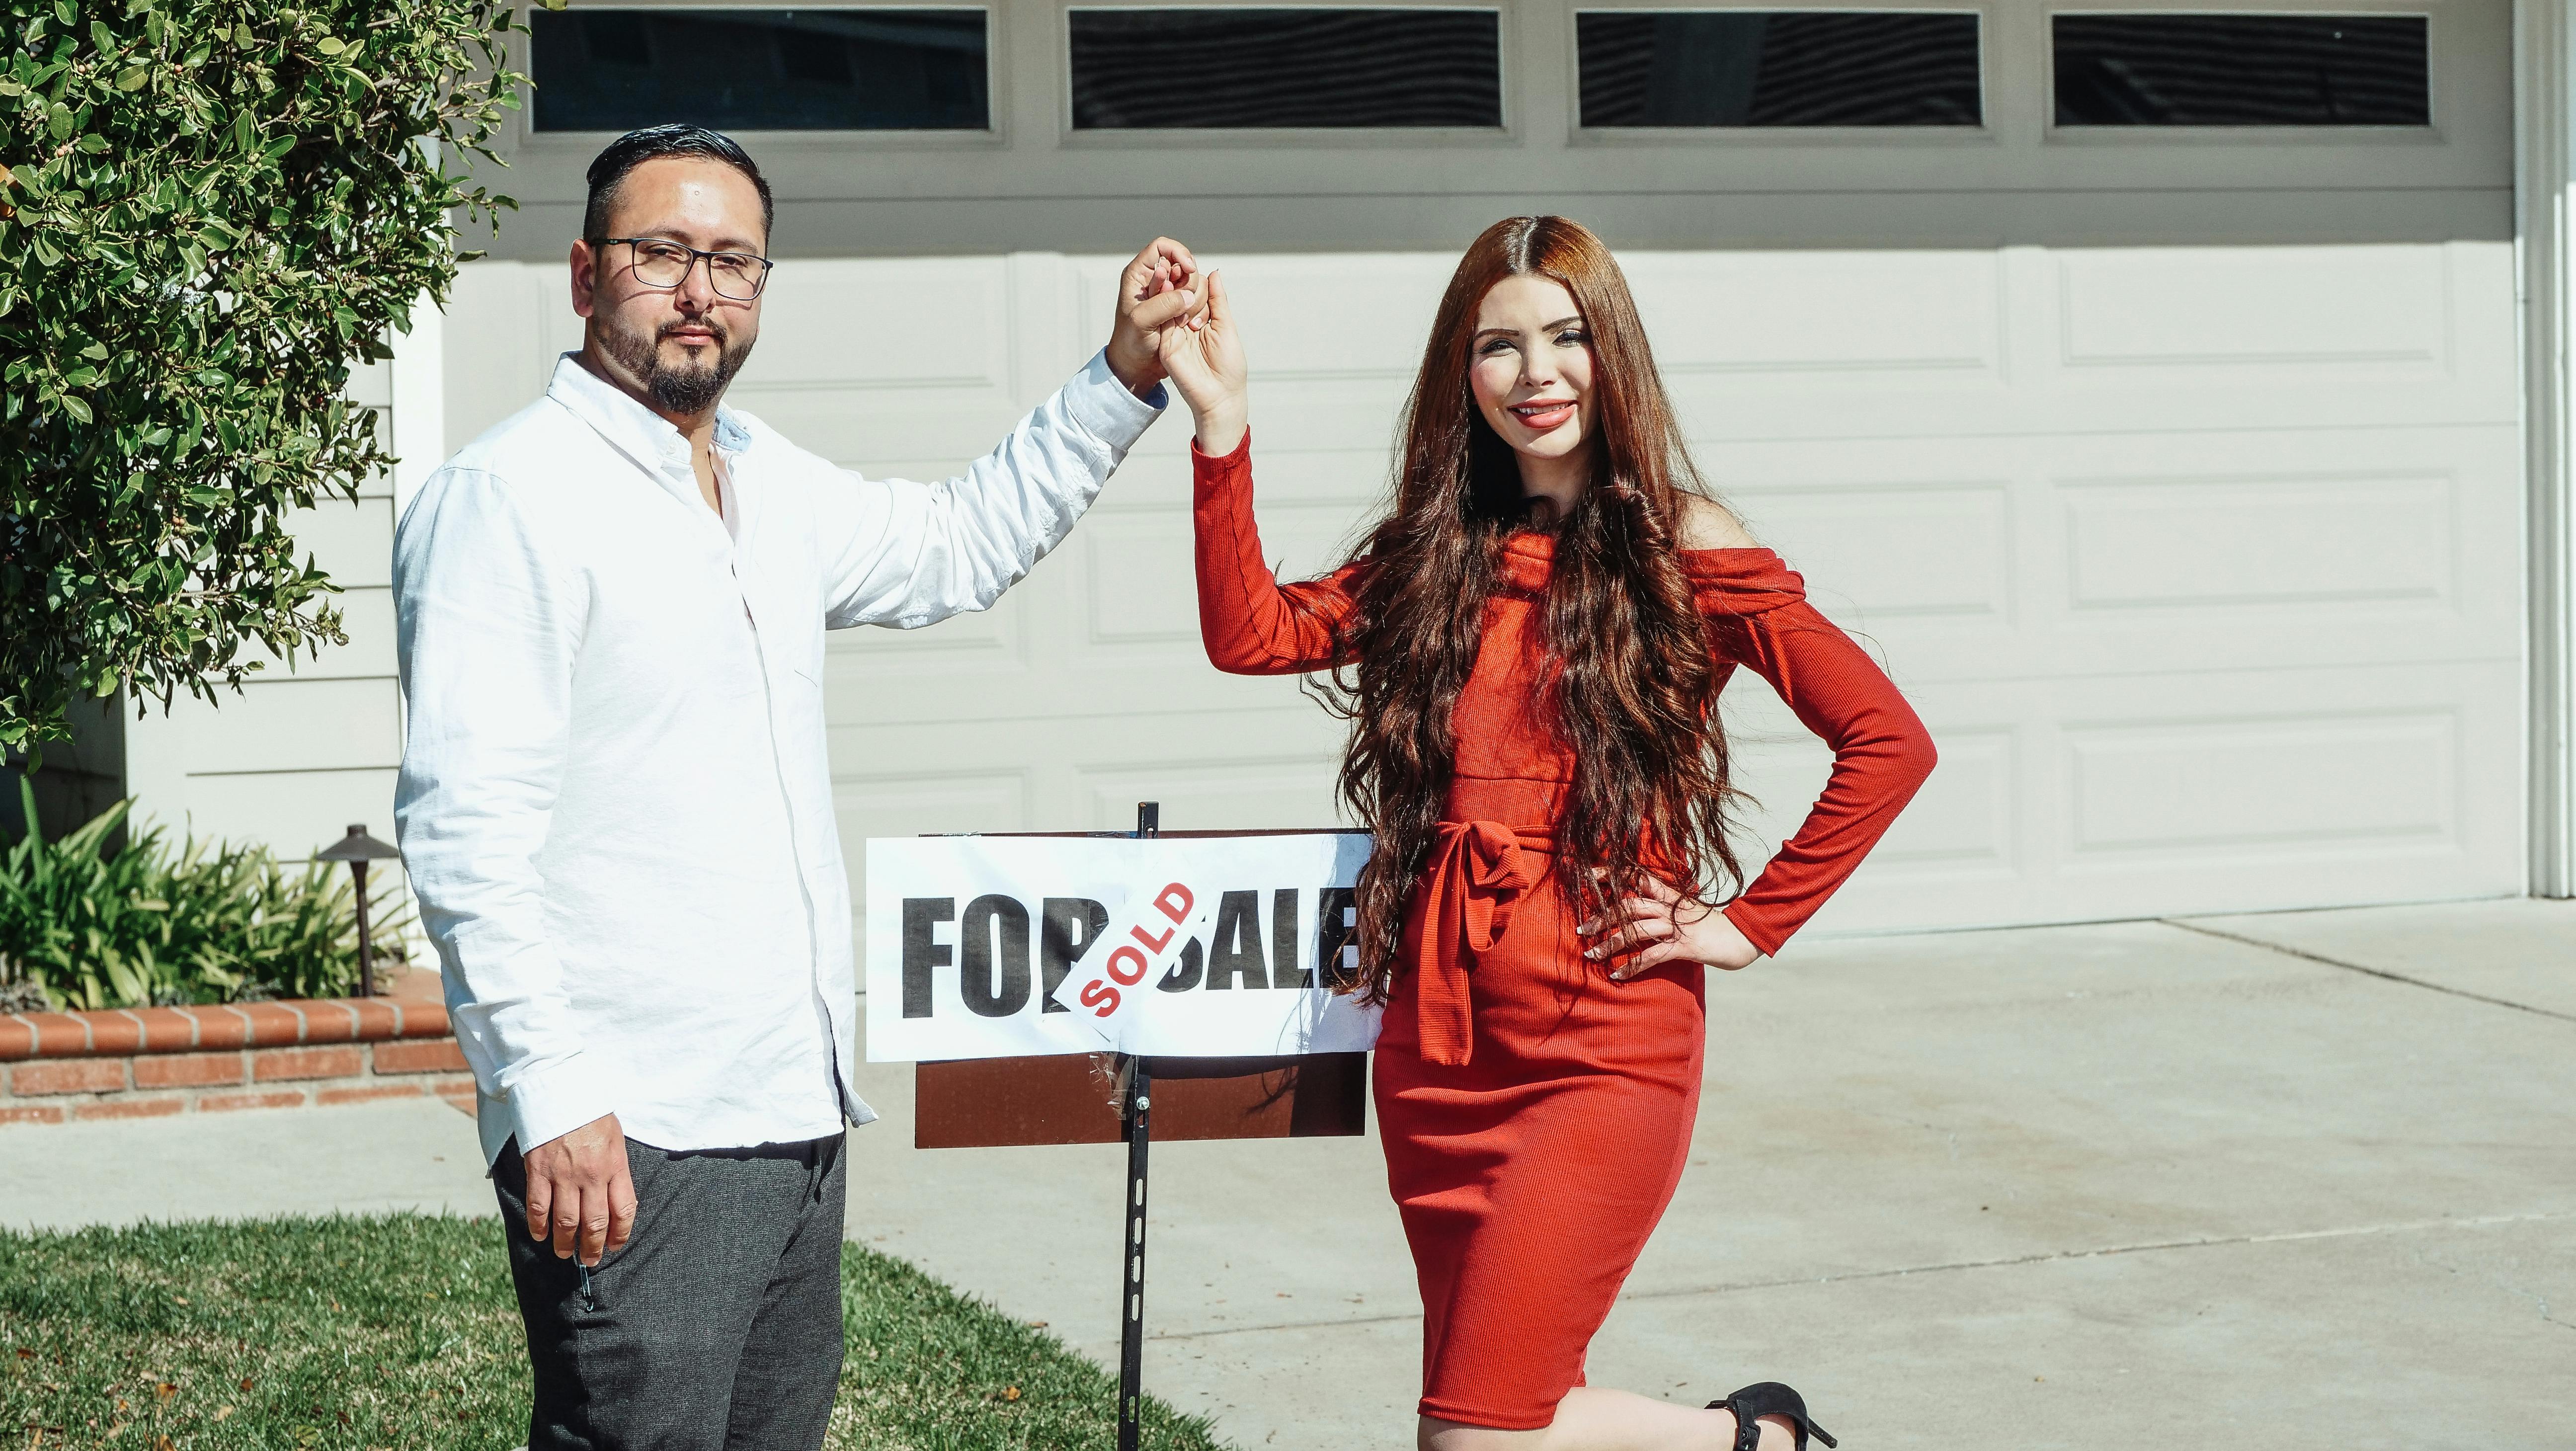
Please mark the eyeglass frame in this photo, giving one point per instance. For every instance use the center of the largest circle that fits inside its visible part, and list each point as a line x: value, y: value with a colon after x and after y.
x: 696, y: 255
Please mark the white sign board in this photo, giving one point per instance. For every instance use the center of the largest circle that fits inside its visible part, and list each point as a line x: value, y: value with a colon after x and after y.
x: 997, y: 946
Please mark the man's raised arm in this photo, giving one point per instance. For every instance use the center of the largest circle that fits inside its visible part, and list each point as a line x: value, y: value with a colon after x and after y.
x: 907, y: 554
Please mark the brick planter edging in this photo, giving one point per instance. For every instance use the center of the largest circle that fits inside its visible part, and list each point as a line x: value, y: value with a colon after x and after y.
x: 154, y: 1062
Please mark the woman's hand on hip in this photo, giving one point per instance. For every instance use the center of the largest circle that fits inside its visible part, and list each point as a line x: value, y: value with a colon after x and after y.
x: 1643, y: 933
x: 1203, y: 356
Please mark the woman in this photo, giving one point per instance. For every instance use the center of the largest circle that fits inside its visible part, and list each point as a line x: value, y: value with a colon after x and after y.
x: 1530, y: 649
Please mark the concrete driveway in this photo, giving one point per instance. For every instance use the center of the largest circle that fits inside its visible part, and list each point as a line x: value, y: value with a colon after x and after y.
x: 2300, y: 1180
x: 2133, y: 1185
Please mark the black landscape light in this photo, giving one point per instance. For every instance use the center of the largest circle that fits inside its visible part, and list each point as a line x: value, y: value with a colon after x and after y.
x: 358, y: 849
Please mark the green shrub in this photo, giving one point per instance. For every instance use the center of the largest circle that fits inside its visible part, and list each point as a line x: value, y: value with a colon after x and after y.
x: 150, y: 926
x: 209, y: 211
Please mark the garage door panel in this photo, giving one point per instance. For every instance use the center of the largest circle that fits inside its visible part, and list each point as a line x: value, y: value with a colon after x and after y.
x: 2388, y: 539
x: 1230, y: 792
x: 824, y: 323
x: 2293, y: 547
x: 980, y: 640
x: 2361, y: 780
x: 872, y: 801
x: 1961, y: 826
x: 2381, y: 308
x: 1921, y: 551
x: 1140, y: 585
x: 1825, y: 312
x: 926, y: 437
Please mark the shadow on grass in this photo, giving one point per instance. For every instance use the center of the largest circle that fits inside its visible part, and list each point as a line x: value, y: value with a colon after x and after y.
x: 399, y: 1331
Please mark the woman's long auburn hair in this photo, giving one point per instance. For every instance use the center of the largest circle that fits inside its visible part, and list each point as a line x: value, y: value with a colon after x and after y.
x: 1625, y: 667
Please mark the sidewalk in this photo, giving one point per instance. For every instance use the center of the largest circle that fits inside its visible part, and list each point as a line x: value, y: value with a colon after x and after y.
x: 2134, y: 1185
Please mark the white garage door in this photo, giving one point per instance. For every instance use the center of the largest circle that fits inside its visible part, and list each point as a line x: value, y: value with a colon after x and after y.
x: 2184, y: 504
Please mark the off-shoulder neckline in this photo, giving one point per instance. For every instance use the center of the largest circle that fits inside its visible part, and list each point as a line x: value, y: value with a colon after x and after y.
x: 1538, y: 544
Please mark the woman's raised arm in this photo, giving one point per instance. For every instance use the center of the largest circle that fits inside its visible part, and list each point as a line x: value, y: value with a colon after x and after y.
x: 1250, y: 624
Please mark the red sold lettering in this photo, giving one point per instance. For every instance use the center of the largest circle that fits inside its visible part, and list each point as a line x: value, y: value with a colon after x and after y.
x: 1129, y: 978
x: 1100, y: 995
x: 1153, y: 945
x: 1179, y: 912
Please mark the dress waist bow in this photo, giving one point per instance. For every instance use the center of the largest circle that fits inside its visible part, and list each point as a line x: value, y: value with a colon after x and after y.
x: 1478, y: 873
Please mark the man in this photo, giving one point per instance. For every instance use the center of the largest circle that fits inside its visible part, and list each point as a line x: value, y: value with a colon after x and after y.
x: 617, y: 814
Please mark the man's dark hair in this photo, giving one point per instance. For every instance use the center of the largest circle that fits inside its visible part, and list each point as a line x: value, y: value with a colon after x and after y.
x: 608, y: 170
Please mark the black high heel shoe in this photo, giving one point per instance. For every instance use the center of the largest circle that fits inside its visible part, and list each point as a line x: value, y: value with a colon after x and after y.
x: 1768, y: 1398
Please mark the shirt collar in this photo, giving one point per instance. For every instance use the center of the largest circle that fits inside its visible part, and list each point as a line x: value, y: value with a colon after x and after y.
x: 636, y: 430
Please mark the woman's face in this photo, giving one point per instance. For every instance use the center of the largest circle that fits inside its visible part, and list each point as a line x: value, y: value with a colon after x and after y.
x: 1530, y: 365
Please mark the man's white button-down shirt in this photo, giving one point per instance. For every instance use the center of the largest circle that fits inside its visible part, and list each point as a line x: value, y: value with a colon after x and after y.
x: 614, y: 806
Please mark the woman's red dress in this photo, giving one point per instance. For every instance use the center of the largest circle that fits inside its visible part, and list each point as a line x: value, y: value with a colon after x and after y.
x: 1536, y: 1114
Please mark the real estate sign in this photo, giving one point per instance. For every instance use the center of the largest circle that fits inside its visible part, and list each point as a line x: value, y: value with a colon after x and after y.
x: 1000, y: 946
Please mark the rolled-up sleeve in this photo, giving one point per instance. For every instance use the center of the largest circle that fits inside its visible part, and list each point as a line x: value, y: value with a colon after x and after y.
x: 905, y: 554
x: 489, y: 623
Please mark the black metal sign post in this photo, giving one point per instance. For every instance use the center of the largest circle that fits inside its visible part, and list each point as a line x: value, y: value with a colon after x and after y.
x: 1137, y: 1117
x: 1056, y: 1099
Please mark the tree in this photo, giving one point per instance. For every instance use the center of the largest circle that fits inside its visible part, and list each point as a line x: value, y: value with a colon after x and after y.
x: 210, y: 211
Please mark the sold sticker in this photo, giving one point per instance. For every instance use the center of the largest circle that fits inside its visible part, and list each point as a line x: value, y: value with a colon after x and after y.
x: 1144, y: 941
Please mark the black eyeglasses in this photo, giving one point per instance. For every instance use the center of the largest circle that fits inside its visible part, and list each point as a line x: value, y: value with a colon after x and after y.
x: 663, y: 263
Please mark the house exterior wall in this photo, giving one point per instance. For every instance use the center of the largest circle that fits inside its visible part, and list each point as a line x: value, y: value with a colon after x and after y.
x: 2178, y: 478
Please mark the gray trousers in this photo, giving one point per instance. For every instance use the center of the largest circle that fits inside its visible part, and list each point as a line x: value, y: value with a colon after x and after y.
x: 717, y: 1327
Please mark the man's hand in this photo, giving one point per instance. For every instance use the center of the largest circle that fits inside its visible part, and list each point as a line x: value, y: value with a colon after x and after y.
x: 580, y: 1194
x: 1158, y: 289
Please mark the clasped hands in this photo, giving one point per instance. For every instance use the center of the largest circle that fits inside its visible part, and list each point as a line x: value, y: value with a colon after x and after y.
x: 1175, y: 323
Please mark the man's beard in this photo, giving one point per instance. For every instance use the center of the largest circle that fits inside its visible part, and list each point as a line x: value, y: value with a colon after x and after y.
x: 685, y: 387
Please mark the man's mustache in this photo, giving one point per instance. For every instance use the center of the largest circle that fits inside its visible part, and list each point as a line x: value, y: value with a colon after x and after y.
x: 716, y: 329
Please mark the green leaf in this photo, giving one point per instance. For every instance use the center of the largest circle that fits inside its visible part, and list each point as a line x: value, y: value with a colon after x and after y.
x: 207, y: 314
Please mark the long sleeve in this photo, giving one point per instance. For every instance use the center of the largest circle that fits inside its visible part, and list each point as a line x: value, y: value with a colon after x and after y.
x: 488, y: 626
x: 1250, y: 623
x: 1881, y: 751
x: 905, y: 554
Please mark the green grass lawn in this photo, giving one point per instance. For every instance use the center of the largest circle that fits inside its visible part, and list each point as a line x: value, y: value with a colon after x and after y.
x: 400, y: 1332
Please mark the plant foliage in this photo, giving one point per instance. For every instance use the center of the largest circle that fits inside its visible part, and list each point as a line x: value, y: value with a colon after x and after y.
x: 153, y: 926
x: 209, y: 211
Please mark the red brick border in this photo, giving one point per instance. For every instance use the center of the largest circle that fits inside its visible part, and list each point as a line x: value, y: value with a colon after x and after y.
x: 152, y: 1062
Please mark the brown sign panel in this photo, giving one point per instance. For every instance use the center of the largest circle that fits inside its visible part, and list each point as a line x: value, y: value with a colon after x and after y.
x: 1069, y: 1098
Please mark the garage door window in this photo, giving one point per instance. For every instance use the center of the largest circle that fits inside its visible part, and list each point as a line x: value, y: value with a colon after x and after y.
x: 1778, y: 68
x: 2242, y: 70
x: 761, y: 70
x: 1231, y: 68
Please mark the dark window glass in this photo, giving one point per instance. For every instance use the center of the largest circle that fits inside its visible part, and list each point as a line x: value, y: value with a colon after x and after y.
x: 1778, y: 68
x: 2242, y: 70
x: 760, y: 70
x: 1246, y: 67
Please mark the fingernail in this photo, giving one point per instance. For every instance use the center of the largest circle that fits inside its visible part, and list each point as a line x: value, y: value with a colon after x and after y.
x: 1592, y: 952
